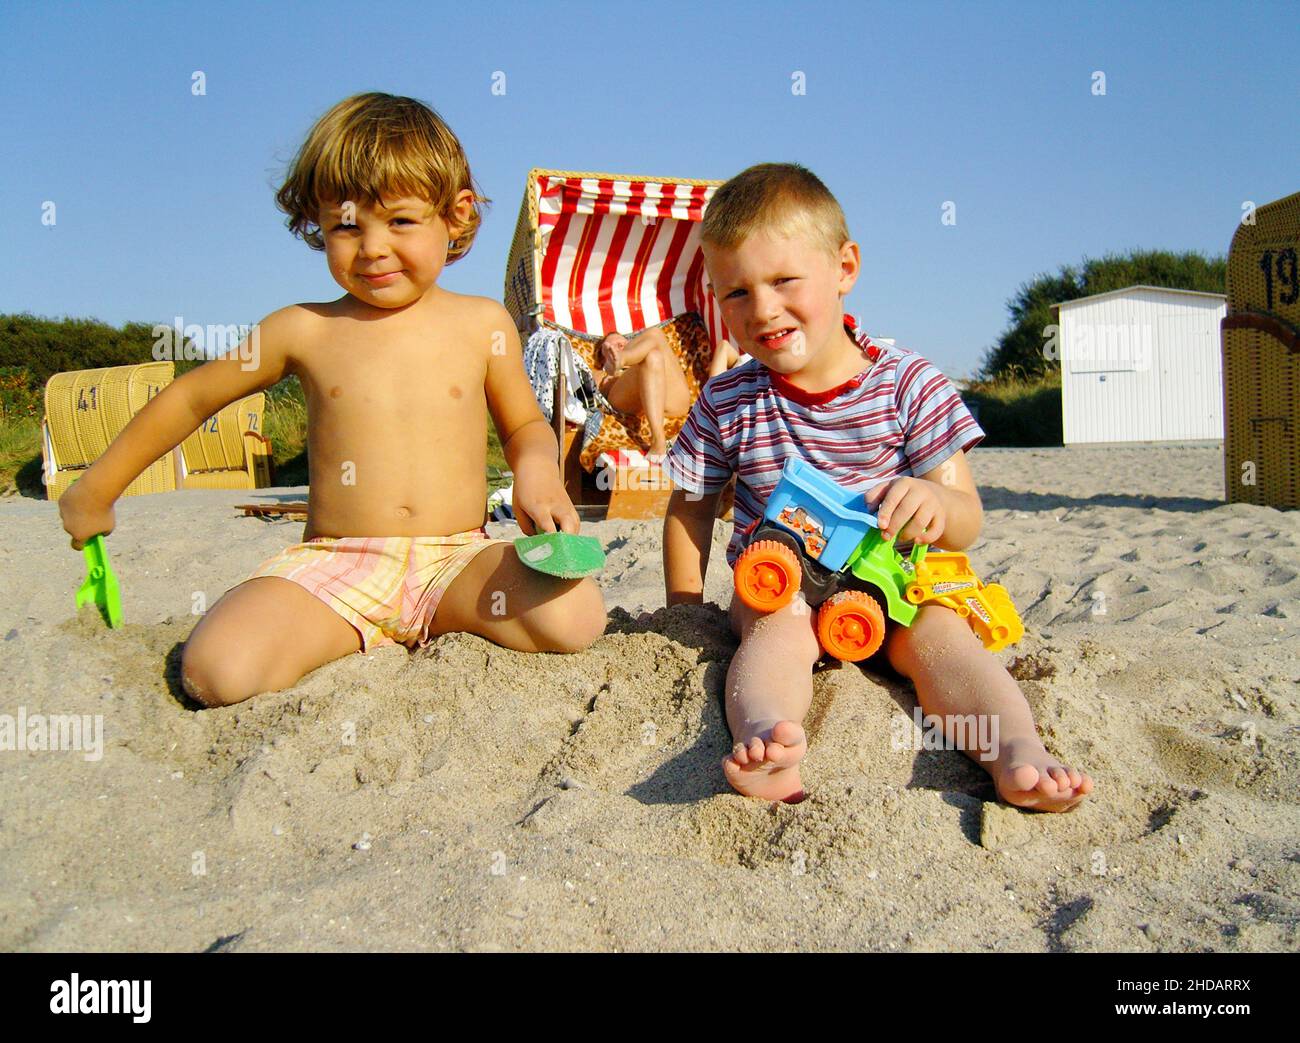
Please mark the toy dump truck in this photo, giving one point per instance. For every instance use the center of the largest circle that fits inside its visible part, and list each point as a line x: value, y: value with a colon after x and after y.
x: 810, y: 539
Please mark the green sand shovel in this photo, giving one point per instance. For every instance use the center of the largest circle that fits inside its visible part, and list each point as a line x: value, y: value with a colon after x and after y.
x: 101, y: 585
x: 561, y: 554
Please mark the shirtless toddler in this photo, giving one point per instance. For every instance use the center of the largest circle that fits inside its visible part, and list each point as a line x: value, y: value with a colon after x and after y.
x: 400, y: 376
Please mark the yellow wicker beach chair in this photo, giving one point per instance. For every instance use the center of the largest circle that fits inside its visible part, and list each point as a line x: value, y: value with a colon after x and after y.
x: 1261, y: 359
x: 86, y: 409
x: 229, y: 451
x: 594, y: 253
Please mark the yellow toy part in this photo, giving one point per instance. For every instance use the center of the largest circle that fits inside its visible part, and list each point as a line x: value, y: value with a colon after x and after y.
x: 946, y: 578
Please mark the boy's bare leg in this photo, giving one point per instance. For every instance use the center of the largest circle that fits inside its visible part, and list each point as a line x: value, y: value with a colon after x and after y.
x: 498, y: 597
x: 769, y: 690
x: 261, y: 636
x: 955, y: 676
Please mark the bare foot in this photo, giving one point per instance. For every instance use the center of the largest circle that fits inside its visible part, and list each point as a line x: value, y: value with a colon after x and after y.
x: 1027, y: 776
x: 769, y: 770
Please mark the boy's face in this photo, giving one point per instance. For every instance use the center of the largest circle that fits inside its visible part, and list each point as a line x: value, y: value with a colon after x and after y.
x: 388, y: 256
x: 787, y: 287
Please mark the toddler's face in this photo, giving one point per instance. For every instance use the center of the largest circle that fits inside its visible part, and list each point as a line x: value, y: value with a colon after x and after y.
x: 780, y: 297
x: 387, y: 257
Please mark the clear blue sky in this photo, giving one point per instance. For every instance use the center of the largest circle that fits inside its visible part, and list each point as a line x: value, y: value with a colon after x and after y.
x: 165, y: 199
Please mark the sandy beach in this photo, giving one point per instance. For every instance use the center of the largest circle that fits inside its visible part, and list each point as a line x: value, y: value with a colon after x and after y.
x: 466, y: 797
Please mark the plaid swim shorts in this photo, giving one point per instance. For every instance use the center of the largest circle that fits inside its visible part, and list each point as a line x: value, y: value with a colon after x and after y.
x: 387, y: 587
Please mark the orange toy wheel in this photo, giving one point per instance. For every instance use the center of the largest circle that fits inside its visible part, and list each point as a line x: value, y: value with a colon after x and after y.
x: 767, y: 575
x: 851, y: 625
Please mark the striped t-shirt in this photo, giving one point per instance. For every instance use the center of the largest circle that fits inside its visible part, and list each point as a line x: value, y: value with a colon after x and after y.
x: 899, y: 417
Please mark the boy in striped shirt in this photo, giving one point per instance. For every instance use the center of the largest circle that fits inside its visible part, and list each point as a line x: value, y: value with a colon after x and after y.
x: 872, y: 418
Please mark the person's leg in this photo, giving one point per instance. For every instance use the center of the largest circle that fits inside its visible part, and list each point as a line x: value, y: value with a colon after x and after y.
x: 639, y: 390
x: 768, y: 692
x: 955, y: 676
x: 652, y: 385
x: 262, y: 636
x: 498, y: 597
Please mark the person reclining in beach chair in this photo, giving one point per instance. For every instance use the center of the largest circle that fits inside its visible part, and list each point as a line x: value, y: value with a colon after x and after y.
x: 644, y: 378
x: 400, y: 376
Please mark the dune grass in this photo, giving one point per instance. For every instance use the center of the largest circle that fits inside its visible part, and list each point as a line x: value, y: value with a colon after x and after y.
x: 1018, y: 410
x: 20, y: 456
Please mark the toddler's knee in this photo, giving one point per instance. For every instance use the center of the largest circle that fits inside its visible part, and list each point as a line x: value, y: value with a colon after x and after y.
x: 936, y: 628
x: 900, y: 644
x: 214, y: 681
x: 571, y: 623
x: 790, y: 628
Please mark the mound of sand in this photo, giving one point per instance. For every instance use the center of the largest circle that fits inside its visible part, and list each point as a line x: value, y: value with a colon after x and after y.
x: 469, y: 797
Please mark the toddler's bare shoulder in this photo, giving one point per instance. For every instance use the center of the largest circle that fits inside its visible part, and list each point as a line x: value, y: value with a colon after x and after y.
x: 308, y: 315
x: 481, y: 319
x: 489, y: 313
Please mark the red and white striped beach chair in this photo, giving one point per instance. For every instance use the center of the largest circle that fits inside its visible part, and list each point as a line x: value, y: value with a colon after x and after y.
x: 597, y: 253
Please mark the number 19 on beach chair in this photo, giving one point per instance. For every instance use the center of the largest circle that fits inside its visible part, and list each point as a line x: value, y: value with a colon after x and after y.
x: 602, y: 253
x: 1261, y: 359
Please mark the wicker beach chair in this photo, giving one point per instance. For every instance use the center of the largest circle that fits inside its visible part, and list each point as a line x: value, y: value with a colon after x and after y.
x: 229, y: 451
x: 85, y: 410
x: 1261, y: 359
x: 595, y: 253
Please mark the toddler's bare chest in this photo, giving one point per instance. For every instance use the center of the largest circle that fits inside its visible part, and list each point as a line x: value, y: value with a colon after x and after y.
x: 386, y: 381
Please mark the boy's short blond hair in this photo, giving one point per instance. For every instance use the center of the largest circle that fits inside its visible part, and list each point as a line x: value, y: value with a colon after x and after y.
x: 782, y: 199
x: 372, y: 147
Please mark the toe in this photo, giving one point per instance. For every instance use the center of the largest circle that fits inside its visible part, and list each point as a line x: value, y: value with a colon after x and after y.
x: 1022, y: 777
x: 788, y: 733
x: 739, y: 755
x: 756, y: 750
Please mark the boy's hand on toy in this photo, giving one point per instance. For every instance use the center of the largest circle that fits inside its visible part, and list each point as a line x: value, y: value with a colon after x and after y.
x: 543, y: 506
x: 84, y: 517
x: 909, y: 508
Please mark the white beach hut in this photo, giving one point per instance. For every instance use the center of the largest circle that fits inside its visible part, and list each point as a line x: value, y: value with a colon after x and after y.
x: 1141, y: 364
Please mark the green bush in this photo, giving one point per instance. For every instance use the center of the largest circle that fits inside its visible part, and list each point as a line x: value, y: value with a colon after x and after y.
x: 48, y: 346
x: 1020, y: 347
x: 1018, y: 410
x: 18, y: 398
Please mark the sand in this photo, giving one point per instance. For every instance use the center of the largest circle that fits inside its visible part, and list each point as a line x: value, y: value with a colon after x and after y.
x: 466, y: 797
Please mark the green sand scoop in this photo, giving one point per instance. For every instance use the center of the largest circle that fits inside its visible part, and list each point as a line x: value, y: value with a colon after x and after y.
x: 101, y: 585
x: 561, y: 554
